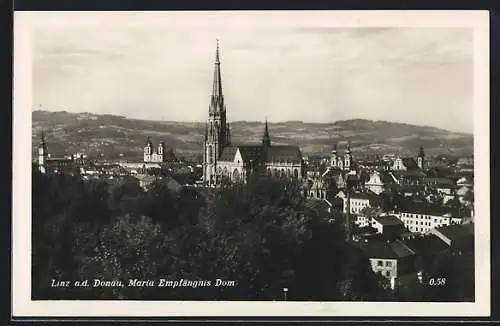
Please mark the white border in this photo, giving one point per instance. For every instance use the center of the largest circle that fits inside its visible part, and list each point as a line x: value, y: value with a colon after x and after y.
x: 22, y: 306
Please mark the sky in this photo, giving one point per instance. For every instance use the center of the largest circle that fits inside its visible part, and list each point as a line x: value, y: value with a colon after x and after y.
x: 160, y: 67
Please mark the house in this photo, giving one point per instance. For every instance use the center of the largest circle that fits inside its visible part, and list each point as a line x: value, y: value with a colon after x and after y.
x: 360, y: 200
x: 378, y: 182
x: 362, y: 221
x: 422, y: 217
x: 388, y: 225
x: 392, y: 260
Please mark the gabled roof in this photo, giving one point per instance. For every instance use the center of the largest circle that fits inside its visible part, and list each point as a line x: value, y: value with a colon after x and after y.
x: 386, y: 250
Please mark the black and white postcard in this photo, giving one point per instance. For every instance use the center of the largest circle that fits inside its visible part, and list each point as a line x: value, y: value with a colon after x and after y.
x: 312, y: 163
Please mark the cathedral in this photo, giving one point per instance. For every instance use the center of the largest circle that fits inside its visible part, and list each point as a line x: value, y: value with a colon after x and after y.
x: 159, y: 154
x: 340, y: 162
x: 224, y: 162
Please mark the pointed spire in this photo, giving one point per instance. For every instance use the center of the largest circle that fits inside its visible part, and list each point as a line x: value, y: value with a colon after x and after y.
x: 217, y: 100
x: 334, y: 148
x: 266, y: 140
x: 42, y: 137
x: 421, y: 151
x: 217, y: 59
x: 348, y: 147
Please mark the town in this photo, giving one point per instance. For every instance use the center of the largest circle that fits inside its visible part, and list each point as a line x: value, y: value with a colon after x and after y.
x: 405, y: 213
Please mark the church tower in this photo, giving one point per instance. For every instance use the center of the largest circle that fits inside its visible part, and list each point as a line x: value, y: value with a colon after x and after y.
x: 266, y: 140
x: 216, y: 134
x: 347, y: 157
x: 421, y: 158
x: 148, y: 151
x: 42, y: 153
x: 334, y: 157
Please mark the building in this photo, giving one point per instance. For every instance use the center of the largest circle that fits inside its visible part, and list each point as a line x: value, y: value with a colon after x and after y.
x: 379, y: 182
x: 392, y: 260
x: 159, y: 154
x: 359, y: 200
x: 336, y: 175
x: 318, y: 189
x: 421, y: 158
x: 388, y: 225
x: 224, y: 162
x: 421, y: 218
x: 344, y: 162
x: 49, y: 163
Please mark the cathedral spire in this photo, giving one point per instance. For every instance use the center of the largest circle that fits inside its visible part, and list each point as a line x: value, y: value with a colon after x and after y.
x: 217, y: 100
x: 266, y: 140
x: 421, y: 151
x: 42, y: 138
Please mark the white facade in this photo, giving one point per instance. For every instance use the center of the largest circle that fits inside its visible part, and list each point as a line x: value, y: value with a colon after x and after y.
x: 387, y: 267
x: 375, y: 183
x: 423, y: 223
x: 362, y: 221
x: 356, y: 205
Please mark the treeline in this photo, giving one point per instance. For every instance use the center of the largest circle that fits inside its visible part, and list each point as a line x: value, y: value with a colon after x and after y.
x: 261, y: 235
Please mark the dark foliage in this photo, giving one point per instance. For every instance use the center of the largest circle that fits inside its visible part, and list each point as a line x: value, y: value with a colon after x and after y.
x: 262, y: 235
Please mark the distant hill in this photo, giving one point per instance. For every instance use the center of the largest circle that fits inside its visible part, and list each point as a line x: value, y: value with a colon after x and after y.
x: 113, y: 136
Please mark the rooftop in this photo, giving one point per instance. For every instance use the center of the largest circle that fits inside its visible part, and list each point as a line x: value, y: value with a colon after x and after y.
x: 457, y: 232
x: 423, y: 245
x: 388, y: 220
x: 386, y: 250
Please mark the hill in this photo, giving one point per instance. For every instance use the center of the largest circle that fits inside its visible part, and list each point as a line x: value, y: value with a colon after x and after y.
x: 117, y: 136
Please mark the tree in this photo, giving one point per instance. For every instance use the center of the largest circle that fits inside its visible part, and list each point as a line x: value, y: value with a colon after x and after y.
x: 125, y: 198
x: 129, y: 248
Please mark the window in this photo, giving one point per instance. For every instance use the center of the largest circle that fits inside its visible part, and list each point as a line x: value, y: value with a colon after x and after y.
x: 388, y: 263
x: 387, y: 273
x: 380, y: 263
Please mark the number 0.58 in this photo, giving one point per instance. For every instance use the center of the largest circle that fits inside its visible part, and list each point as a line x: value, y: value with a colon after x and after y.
x: 437, y: 281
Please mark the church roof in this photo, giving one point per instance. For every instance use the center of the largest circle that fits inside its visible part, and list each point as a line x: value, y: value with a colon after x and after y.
x: 228, y: 153
x: 251, y: 153
x: 410, y: 163
x: 256, y: 153
x: 284, y: 154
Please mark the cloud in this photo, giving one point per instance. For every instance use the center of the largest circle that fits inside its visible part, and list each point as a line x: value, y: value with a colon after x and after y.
x: 156, y: 71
